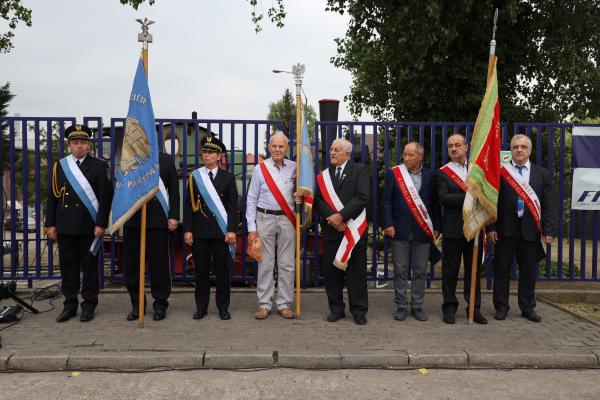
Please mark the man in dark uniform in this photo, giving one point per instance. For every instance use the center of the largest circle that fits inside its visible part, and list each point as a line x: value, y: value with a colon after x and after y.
x: 451, y: 191
x: 79, y: 200
x: 162, y: 217
x: 518, y: 231
x: 350, y: 184
x: 210, y: 224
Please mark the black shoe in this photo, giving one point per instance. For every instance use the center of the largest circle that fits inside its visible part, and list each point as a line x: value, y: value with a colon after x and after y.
x: 224, y: 315
x: 449, y: 316
x: 86, y: 315
x: 335, y: 317
x: 199, y: 314
x: 500, y: 315
x: 159, y: 315
x: 133, y: 315
x: 360, y: 320
x: 478, y: 317
x: 66, y: 315
x: 531, y: 315
x: 400, y: 314
x: 418, y: 314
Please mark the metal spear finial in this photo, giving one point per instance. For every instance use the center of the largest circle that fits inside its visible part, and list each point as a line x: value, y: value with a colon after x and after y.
x: 495, y: 24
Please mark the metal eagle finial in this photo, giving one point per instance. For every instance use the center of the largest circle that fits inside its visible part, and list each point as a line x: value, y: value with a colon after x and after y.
x: 144, y: 35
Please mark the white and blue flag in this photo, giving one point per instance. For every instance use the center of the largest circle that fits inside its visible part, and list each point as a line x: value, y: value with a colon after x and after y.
x: 585, y: 162
x: 138, y: 173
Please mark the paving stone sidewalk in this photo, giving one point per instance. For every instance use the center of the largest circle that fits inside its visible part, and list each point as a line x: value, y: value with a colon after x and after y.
x: 110, y: 342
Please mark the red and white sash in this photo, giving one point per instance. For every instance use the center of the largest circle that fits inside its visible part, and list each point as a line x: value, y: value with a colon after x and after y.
x: 285, y: 207
x: 413, y: 200
x: 354, y: 227
x: 524, y: 191
x: 451, y: 170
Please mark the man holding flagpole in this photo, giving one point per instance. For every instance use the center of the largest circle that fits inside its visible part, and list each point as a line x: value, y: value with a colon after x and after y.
x: 210, y: 224
x: 76, y: 216
x: 525, y: 220
x: 451, y: 190
x: 162, y: 217
x: 341, y: 200
x: 270, y: 215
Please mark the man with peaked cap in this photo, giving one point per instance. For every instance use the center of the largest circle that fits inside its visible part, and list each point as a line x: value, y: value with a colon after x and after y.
x: 210, y: 224
x: 162, y: 217
x: 79, y: 200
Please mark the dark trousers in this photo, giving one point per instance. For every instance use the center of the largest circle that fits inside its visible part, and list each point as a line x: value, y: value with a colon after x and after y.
x: 215, y: 252
x: 75, y: 258
x: 528, y: 255
x: 157, y: 260
x: 453, y: 250
x: 355, y: 277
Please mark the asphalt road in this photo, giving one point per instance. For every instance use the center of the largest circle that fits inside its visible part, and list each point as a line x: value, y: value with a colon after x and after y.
x: 305, y: 384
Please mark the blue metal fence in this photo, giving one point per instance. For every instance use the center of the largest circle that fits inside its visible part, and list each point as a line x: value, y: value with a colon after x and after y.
x: 31, y: 145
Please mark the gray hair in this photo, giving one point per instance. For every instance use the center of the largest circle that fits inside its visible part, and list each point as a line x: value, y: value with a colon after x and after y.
x: 343, y: 143
x: 520, y: 136
x: 279, y: 134
x: 418, y: 146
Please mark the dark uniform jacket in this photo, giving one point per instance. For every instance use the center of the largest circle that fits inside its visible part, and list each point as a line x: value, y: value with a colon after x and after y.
x: 67, y: 212
x: 354, y: 191
x: 397, y: 214
x: 451, y: 198
x: 508, y: 222
x: 203, y: 223
x: 155, y: 215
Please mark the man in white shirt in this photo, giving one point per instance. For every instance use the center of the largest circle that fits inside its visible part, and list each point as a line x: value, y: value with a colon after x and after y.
x: 269, y: 215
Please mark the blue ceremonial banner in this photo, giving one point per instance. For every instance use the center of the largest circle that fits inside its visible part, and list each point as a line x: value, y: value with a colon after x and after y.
x: 585, y: 161
x: 138, y: 174
x: 306, y: 180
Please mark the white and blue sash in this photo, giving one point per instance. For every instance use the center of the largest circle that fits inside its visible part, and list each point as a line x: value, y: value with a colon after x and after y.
x: 80, y: 184
x: 212, y: 200
x: 163, y: 197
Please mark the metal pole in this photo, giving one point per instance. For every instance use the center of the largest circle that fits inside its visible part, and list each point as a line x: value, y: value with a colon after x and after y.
x: 145, y: 38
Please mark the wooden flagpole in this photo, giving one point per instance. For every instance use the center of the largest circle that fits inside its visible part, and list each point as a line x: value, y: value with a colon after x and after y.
x: 475, y: 258
x: 298, y: 71
x: 145, y: 38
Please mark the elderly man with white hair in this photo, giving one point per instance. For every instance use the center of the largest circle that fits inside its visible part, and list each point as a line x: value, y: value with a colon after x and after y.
x: 270, y: 216
x: 525, y: 223
x: 342, y: 197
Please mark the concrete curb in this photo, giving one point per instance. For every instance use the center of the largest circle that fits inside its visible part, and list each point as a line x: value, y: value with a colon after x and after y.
x: 550, y: 360
x: 433, y: 360
x: 135, y: 361
x: 228, y: 359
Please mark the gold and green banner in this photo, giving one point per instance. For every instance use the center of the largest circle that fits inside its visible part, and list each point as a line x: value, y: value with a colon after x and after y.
x: 483, y: 181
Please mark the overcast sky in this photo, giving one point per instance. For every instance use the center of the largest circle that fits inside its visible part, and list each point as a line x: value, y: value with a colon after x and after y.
x: 79, y: 57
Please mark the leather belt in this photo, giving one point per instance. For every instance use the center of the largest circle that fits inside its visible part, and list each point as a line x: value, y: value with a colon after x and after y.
x: 272, y: 212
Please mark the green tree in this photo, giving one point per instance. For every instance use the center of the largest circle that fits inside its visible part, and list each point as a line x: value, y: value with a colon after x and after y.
x: 427, y: 60
x: 284, y: 110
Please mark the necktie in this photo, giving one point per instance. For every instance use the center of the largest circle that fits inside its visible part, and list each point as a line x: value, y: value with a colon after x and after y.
x: 338, y: 175
x: 210, y: 175
x: 520, y: 204
x: 78, y: 163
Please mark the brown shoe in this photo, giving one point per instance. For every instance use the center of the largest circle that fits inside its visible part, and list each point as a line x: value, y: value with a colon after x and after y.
x: 287, y: 313
x: 262, y: 313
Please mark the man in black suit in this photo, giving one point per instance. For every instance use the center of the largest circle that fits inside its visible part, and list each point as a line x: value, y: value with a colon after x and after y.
x: 211, y: 233
x: 351, y: 184
x: 516, y: 231
x: 411, y: 238
x: 79, y: 200
x: 451, y: 190
x: 162, y: 217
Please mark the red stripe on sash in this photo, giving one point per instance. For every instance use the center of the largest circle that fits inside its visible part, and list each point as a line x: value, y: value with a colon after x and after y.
x: 523, y: 195
x: 277, y: 194
x: 412, y: 206
x: 454, y: 177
